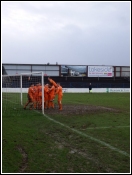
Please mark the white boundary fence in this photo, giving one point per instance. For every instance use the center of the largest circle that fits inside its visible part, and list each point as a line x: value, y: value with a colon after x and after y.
x: 74, y: 90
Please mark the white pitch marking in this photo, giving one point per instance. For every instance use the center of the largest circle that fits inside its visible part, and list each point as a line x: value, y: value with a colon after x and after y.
x: 92, y: 138
x: 112, y: 127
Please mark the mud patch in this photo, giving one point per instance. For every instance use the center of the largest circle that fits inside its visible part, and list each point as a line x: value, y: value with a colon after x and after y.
x: 79, y: 110
x: 23, y: 165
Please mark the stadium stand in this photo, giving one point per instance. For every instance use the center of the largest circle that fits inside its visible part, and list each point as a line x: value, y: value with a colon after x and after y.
x: 74, y: 82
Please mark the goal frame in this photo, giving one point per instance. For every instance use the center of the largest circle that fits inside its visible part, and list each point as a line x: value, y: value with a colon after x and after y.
x: 42, y: 83
x: 41, y: 74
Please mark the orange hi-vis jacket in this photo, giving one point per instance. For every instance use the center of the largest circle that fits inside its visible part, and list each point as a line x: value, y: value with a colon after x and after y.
x: 59, y: 92
x: 46, y: 92
x: 31, y: 92
x: 53, y: 82
x: 40, y: 91
x: 52, y: 92
x: 35, y: 92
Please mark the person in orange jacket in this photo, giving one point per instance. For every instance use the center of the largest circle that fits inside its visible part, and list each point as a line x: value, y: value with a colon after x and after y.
x: 36, y: 96
x: 54, y: 86
x: 51, y: 95
x: 52, y: 82
x: 30, y: 96
x: 59, y: 92
x: 39, y: 96
x: 46, y: 96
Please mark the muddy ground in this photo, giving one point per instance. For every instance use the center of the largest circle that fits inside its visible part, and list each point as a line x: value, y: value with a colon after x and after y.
x: 78, y: 109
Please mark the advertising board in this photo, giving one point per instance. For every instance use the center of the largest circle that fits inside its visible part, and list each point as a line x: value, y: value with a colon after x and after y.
x: 100, y: 71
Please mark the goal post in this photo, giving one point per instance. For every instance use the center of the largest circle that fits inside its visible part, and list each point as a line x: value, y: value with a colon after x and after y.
x: 15, y: 87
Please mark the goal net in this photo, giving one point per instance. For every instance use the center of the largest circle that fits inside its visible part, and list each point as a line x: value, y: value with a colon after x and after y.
x: 15, y: 91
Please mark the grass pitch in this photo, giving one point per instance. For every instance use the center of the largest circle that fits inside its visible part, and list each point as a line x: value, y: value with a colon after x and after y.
x: 90, y: 135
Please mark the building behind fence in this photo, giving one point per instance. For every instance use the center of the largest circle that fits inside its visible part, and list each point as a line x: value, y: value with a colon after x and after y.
x: 71, y: 76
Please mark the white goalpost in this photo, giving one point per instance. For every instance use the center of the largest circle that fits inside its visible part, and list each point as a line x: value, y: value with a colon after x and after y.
x: 15, y: 87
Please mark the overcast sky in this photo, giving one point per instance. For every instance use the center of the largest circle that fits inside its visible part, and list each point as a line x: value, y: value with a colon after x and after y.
x: 66, y: 32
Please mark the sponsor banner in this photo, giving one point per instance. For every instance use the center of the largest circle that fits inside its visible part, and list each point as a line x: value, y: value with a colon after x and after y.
x: 100, y: 71
x: 64, y: 90
x: 118, y: 90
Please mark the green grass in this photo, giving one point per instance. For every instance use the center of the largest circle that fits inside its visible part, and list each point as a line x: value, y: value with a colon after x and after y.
x: 95, y: 142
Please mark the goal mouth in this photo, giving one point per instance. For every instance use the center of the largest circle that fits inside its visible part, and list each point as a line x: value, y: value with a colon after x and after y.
x: 19, y: 84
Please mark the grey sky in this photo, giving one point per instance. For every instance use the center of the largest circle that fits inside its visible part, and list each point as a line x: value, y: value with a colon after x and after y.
x: 67, y: 32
